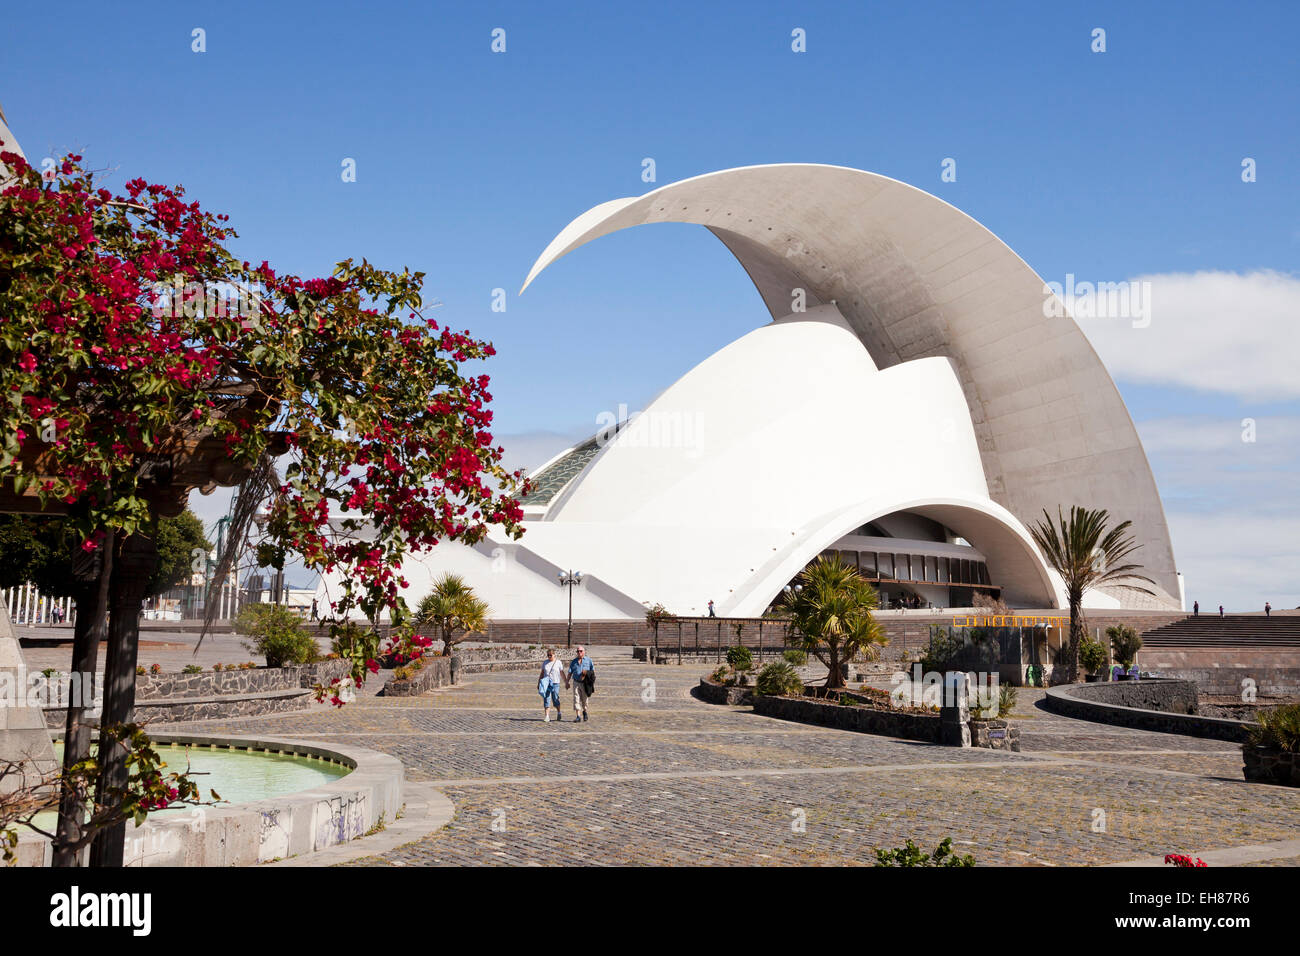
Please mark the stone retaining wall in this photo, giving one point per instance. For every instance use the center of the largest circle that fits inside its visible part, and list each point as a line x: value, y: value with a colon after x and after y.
x: 1275, y: 671
x: 1136, y: 704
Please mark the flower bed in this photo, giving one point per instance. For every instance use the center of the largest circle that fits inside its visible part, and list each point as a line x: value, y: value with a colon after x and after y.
x: 435, y: 672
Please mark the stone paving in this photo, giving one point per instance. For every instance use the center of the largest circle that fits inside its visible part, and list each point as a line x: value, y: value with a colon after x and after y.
x: 658, y: 777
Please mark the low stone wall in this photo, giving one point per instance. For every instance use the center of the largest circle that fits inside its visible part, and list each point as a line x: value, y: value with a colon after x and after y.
x: 1271, y: 766
x: 322, y: 672
x: 712, y: 693
x: 265, y: 830
x: 1275, y: 671
x: 237, y: 682
x: 928, y: 727
x: 1137, y: 704
x: 436, y: 672
x: 504, y: 657
x: 215, y: 695
x: 826, y: 713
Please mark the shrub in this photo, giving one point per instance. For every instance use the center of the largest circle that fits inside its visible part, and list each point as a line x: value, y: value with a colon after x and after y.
x: 277, y: 634
x: 1125, y: 643
x: 1092, y: 655
x: 912, y: 855
x: 1006, y: 699
x: 1277, y: 729
x: 777, y: 679
x: 217, y: 667
x: 402, y: 673
x: 155, y: 669
x: 795, y: 658
x: 191, y: 669
x: 50, y: 672
x: 139, y: 671
x: 355, y: 643
x: 720, y: 675
x: 740, y: 658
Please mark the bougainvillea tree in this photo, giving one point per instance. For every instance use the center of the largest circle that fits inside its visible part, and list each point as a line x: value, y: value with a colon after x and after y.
x: 140, y: 357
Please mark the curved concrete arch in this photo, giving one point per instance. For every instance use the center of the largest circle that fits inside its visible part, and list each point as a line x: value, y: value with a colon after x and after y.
x: 915, y: 278
x: 1008, y: 549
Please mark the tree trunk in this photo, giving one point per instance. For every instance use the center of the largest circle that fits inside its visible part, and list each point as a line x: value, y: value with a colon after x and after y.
x: 92, y: 573
x: 834, y: 680
x: 1076, y: 633
x: 132, y: 567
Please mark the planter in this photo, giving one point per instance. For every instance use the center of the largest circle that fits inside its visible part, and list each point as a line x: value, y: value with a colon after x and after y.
x: 1266, y: 765
x: 728, y: 694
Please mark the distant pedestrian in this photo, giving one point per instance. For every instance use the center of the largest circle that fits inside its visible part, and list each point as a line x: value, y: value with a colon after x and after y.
x: 711, y: 614
x: 314, y: 610
x: 582, y: 675
x: 1196, y: 609
x: 1268, y: 609
x: 548, y: 685
x: 1220, y: 610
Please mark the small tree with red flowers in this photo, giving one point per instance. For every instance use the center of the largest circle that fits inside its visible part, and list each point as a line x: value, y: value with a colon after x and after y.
x: 140, y: 358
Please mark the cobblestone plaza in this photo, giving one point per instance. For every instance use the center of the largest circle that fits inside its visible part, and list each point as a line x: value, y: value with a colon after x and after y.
x: 658, y: 777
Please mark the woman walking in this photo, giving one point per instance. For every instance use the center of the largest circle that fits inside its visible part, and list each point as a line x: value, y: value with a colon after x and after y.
x: 548, y: 685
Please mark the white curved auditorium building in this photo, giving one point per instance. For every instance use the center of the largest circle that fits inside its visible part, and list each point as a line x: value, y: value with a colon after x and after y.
x: 885, y: 303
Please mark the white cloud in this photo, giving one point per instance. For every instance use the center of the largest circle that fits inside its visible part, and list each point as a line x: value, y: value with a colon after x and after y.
x: 1238, y: 559
x: 1201, y: 463
x: 1218, y: 331
x: 1231, y: 506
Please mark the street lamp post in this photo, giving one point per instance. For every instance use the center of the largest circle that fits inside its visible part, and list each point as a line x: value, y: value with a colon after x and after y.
x: 569, y: 579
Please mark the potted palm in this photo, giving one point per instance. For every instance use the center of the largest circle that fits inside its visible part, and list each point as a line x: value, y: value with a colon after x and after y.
x: 1125, y: 643
x: 1092, y: 658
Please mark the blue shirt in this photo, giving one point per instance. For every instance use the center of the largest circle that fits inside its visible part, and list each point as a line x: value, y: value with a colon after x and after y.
x: 578, y: 666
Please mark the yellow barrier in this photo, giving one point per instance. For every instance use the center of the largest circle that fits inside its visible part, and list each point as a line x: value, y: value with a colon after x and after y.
x: 1009, y: 620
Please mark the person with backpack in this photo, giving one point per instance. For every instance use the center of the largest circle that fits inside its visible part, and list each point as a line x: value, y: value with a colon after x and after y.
x: 582, y: 674
x: 548, y: 685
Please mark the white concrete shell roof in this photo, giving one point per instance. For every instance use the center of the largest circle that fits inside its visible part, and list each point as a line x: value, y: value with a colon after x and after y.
x: 916, y: 278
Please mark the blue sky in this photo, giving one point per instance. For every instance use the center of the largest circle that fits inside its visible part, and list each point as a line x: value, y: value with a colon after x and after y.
x: 1105, y: 165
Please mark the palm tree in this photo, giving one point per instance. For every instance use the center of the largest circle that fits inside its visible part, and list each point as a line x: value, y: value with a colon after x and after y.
x: 450, y: 607
x: 1087, y: 555
x: 830, y: 616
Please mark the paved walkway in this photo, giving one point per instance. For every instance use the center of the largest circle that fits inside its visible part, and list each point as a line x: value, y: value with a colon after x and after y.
x: 657, y: 777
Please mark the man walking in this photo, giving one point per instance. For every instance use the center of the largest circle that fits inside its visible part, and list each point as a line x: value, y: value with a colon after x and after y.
x: 1268, y: 609
x: 580, y: 671
x: 1196, y: 609
x: 711, y: 613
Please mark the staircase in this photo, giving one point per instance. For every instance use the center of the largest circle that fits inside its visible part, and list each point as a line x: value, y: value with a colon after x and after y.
x: 1232, y: 630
